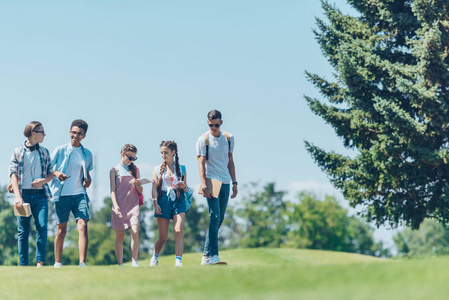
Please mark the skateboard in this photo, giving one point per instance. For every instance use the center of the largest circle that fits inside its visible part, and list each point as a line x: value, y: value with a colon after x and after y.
x: 221, y: 263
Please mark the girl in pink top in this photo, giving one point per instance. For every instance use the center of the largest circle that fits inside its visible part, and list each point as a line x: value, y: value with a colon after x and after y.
x: 125, y: 202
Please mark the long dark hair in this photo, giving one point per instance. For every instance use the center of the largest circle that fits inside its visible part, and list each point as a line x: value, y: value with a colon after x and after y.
x: 173, y: 147
x: 132, y: 166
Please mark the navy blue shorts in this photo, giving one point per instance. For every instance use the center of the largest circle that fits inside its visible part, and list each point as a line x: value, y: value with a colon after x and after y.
x: 169, y: 208
x: 77, y: 204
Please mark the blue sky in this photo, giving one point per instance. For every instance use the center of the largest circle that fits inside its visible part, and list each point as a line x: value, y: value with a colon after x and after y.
x: 145, y: 71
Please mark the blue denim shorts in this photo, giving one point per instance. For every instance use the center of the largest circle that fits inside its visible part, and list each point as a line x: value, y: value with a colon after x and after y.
x: 77, y: 204
x: 169, y: 208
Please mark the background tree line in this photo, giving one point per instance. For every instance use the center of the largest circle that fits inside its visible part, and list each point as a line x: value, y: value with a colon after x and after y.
x: 263, y: 218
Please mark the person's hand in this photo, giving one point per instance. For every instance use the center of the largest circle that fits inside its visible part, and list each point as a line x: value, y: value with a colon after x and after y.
x: 234, y: 191
x: 38, y: 183
x: 18, y: 203
x: 87, y: 183
x: 181, y: 185
x: 117, y: 211
x: 157, y: 209
x: 207, y: 193
x: 135, y: 182
x: 61, y: 176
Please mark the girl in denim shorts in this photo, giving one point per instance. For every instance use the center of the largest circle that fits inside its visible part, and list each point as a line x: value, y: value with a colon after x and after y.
x: 168, y: 198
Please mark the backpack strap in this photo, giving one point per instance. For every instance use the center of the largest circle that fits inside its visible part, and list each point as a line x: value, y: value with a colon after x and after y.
x: 183, y: 172
x: 228, y: 138
x: 207, y: 145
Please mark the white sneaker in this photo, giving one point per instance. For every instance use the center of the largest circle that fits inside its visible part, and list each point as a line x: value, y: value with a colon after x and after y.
x: 82, y: 265
x: 154, y: 262
x: 205, y: 260
x: 214, y: 259
x: 134, y: 264
x: 178, y: 263
x: 57, y: 265
x: 121, y: 265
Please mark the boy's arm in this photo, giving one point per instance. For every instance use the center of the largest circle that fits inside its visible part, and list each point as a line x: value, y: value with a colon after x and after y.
x: 202, y: 168
x: 231, y: 168
x: 13, y: 174
x: 54, y: 159
x: 87, y: 181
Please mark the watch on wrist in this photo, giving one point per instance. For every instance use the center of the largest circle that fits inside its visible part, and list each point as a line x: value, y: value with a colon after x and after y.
x: 235, y: 182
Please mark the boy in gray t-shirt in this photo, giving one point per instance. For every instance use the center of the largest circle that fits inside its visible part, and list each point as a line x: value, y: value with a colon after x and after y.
x: 214, y: 151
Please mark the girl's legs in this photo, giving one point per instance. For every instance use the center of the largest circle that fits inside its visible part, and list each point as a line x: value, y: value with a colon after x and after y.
x: 119, y: 237
x: 134, y: 242
x: 178, y: 231
x: 162, y: 225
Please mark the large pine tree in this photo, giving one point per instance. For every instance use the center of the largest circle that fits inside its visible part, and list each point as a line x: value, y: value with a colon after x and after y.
x: 388, y: 100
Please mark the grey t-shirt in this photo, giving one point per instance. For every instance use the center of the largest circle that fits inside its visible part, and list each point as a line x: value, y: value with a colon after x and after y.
x: 32, y: 168
x: 217, y: 164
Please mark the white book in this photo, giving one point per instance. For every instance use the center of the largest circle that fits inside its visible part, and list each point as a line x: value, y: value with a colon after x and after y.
x: 144, y: 180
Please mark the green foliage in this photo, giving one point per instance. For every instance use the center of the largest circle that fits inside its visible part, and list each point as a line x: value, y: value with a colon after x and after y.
x: 270, y: 221
x: 430, y: 239
x: 263, y: 213
x: 264, y: 219
x: 8, y: 231
x: 389, y: 102
x: 326, y: 225
x: 195, y: 228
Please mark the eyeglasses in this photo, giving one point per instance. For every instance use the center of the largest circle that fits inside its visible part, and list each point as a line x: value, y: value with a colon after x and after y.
x: 130, y: 158
x: 77, y: 133
x: 212, y: 125
x: 39, y: 131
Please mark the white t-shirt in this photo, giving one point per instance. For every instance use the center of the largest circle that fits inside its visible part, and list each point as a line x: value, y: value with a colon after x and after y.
x: 74, y: 185
x: 32, y: 168
x: 168, y: 182
x: 217, y: 164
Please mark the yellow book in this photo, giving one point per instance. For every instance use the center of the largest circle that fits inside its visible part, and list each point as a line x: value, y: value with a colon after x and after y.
x: 24, y: 212
x: 214, y: 186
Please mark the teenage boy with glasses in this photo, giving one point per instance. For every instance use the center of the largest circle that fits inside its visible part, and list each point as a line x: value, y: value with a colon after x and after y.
x: 71, y: 164
x: 30, y: 171
x: 214, y: 151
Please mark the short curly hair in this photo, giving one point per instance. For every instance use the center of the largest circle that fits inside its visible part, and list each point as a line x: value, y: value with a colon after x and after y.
x: 81, y: 124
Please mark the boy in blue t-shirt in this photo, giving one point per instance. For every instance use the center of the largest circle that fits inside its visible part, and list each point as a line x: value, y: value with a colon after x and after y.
x: 71, y: 165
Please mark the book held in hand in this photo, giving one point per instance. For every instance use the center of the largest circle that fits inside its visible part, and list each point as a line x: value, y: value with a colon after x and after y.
x: 143, y: 180
x: 213, y: 185
x: 24, y: 212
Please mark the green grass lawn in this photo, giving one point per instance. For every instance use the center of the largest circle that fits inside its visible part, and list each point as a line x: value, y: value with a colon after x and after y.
x: 251, y: 274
